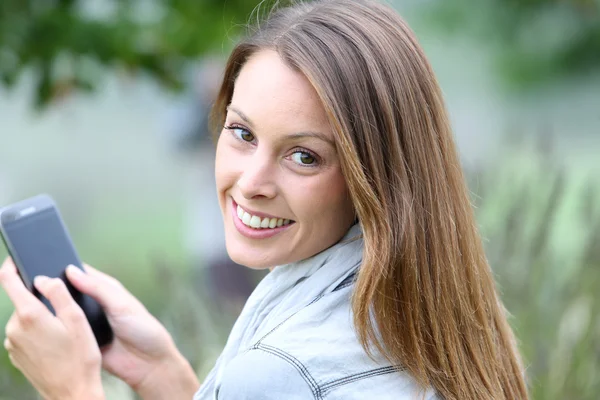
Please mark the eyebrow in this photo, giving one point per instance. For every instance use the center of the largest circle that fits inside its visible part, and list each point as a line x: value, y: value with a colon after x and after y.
x: 241, y: 114
x: 293, y: 136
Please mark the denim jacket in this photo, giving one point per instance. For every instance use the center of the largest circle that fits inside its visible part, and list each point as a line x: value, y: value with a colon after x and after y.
x: 315, y: 354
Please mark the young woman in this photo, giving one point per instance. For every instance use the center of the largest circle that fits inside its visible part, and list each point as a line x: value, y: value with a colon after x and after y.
x: 336, y: 169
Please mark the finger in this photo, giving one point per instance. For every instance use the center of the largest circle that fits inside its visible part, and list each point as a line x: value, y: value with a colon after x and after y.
x: 106, y: 290
x: 8, y: 266
x: 24, y: 301
x: 58, y: 295
x: 92, y: 275
x: 110, y: 280
x: 12, y: 360
x: 7, y: 262
x: 12, y: 326
x: 8, y: 345
x: 14, y: 331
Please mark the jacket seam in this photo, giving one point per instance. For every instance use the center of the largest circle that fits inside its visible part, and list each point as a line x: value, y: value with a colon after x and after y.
x: 297, y: 364
x: 359, y: 376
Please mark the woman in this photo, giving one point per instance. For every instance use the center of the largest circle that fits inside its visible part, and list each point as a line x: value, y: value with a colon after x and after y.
x: 336, y: 169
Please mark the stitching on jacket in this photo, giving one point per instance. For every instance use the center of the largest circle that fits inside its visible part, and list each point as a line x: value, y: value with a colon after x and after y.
x: 356, y: 377
x: 301, y: 368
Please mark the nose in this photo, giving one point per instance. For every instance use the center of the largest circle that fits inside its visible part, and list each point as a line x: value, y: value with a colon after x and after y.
x: 258, y: 177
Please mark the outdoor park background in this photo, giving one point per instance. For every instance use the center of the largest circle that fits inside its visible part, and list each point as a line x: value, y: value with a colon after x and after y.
x: 102, y: 105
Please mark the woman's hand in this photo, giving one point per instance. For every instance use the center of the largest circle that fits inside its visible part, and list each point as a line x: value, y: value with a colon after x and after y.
x: 142, y: 353
x: 57, y: 354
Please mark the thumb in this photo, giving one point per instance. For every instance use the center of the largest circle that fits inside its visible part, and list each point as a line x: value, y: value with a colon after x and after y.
x: 55, y: 290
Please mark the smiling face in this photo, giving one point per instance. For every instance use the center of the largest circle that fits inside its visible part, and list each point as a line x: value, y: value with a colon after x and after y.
x: 279, y: 180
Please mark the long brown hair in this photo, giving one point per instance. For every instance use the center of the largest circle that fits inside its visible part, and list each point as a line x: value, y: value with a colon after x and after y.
x: 425, y: 297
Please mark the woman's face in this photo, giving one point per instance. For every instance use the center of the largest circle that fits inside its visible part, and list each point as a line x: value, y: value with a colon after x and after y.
x: 279, y: 181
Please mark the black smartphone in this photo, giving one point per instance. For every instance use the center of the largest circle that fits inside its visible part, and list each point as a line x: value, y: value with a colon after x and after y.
x: 39, y: 244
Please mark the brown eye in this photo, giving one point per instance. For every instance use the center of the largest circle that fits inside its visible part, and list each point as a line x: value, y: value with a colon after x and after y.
x: 303, y: 158
x: 241, y: 133
x: 247, y: 136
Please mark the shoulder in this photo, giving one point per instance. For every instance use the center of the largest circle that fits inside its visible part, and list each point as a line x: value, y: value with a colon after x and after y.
x: 263, y: 375
x: 320, y: 348
x: 271, y: 374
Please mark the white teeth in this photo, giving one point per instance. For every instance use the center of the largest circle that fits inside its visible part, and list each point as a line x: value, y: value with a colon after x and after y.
x: 246, y: 218
x: 256, y: 222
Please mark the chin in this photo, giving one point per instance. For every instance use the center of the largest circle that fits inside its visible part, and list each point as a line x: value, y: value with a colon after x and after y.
x: 239, y: 256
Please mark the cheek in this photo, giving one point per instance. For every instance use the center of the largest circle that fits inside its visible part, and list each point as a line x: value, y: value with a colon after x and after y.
x: 325, y: 199
x: 225, y: 171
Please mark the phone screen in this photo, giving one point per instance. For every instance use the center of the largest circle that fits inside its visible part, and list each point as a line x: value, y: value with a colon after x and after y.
x: 41, y: 244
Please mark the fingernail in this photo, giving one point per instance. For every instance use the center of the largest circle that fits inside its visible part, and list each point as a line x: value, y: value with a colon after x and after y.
x: 74, y: 270
x: 40, y: 280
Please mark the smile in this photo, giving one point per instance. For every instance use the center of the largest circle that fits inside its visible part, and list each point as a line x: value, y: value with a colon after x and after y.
x: 256, y: 225
x: 257, y: 222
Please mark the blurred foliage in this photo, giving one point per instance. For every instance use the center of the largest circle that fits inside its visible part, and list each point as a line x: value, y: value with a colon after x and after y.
x: 68, y: 44
x: 541, y: 224
x: 534, y: 41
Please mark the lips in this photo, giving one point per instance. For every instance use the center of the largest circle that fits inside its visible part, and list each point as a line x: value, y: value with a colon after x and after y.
x: 256, y: 222
x: 259, y: 226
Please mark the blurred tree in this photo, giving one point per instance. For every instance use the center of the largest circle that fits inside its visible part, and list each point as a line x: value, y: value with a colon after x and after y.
x: 535, y: 40
x: 67, y: 44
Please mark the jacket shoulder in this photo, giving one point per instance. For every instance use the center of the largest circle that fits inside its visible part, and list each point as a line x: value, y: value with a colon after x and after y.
x: 320, y: 342
x: 264, y: 375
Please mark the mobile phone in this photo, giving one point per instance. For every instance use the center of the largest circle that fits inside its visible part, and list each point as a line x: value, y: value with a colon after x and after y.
x: 38, y: 242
